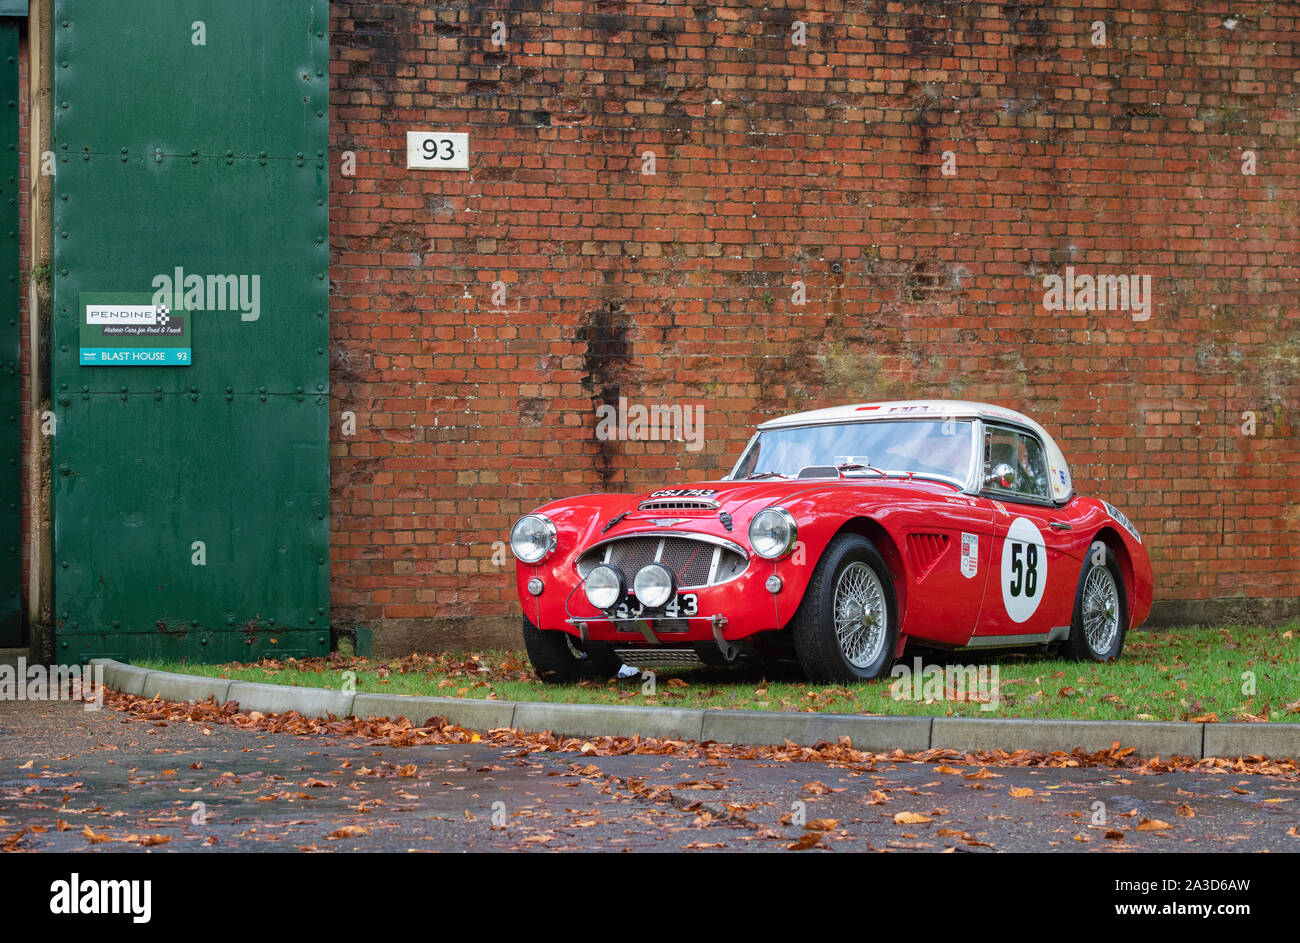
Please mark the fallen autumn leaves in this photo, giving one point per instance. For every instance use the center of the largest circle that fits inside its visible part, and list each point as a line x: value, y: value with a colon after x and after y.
x: 401, y: 733
x: 145, y: 841
x: 631, y: 788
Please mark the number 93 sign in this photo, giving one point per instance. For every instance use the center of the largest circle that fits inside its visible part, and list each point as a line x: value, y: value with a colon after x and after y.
x: 1024, y: 569
x: 437, y: 150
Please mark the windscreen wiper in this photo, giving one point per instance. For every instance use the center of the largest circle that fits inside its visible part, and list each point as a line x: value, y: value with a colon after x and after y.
x: 853, y: 466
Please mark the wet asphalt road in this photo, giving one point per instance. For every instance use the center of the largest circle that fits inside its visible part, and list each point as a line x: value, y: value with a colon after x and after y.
x: 130, y: 782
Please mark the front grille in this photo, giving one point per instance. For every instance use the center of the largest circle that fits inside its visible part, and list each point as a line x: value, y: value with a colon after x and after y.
x: 690, y: 559
x: 678, y: 504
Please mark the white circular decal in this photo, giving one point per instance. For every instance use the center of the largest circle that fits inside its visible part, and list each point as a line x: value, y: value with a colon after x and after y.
x: 1024, y: 569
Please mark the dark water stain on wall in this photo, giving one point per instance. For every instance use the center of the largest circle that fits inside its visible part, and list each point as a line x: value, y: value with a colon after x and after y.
x: 605, y: 364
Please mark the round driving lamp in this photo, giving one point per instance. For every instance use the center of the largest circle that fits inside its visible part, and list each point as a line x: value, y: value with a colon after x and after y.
x: 605, y: 586
x: 532, y: 537
x: 653, y: 585
x: 772, y: 533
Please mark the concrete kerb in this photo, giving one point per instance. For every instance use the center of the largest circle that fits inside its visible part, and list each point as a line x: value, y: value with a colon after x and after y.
x: 463, y: 712
x: 760, y: 728
x: 281, y: 698
x: 179, y: 687
x: 1148, y: 738
x: 600, y: 720
x: 750, y: 728
x: 1271, y: 740
x: 125, y: 678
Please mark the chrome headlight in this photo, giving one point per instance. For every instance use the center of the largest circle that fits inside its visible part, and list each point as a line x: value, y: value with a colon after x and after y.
x: 532, y: 537
x: 772, y: 533
x: 605, y: 586
x: 653, y: 585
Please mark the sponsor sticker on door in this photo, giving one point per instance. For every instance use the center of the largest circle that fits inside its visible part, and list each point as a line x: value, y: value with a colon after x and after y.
x: 970, y: 555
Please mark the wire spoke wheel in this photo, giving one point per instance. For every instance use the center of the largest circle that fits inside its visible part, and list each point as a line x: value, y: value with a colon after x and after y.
x: 846, y: 626
x: 1100, y: 610
x: 861, y: 619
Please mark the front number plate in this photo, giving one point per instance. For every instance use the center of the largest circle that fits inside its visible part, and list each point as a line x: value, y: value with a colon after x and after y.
x: 682, y: 606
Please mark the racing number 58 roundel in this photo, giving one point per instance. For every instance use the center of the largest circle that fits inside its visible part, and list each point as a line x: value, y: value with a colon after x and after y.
x: 1024, y: 569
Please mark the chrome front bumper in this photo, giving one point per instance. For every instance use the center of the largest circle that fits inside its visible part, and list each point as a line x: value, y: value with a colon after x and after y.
x: 645, y: 626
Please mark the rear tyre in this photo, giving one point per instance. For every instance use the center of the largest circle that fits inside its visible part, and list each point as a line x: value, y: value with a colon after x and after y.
x: 559, y: 659
x: 1100, y: 617
x: 847, y: 625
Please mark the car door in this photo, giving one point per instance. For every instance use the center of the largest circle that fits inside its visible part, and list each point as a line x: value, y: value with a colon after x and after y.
x: 1033, y: 566
x: 948, y: 543
x: 945, y: 537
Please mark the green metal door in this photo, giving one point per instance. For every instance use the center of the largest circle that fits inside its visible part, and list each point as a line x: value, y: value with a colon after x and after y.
x: 10, y: 390
x: 190, y: 499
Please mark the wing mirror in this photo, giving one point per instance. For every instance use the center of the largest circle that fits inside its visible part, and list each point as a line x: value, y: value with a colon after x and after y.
x: 1003, y: 475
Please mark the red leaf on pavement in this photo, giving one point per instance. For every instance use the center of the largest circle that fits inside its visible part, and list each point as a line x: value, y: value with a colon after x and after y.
x: 348, y: 831
x: 1153, y: 825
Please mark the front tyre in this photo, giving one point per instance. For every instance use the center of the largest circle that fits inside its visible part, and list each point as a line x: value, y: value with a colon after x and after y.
x: 1100, y: 618
x: 559, y: 659
x: 847, y: 625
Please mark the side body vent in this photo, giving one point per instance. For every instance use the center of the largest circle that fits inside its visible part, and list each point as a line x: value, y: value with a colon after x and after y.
x: 925, y: 551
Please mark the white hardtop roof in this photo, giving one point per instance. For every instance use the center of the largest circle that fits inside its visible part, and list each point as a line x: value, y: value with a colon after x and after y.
x: 902, y: 409
x: 1062, y: 485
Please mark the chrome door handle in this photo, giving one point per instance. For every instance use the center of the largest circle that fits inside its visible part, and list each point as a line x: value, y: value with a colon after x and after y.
x: 1059, y: 525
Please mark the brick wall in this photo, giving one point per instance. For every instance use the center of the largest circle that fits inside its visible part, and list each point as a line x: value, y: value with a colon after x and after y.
x: 821, y: 163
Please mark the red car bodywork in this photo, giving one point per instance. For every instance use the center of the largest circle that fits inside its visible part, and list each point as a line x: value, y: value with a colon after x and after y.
x: 918, y: 525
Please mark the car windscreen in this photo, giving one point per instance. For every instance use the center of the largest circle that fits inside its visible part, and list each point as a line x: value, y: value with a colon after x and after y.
x: 925, y: 447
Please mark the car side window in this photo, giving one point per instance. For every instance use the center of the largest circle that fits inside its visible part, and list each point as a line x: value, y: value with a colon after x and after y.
x: 1023, y: 454
x: 747, y: 467
x: 1031, y: 470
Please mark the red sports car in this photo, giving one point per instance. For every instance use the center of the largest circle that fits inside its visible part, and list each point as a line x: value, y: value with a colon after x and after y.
x: 840, y: 535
